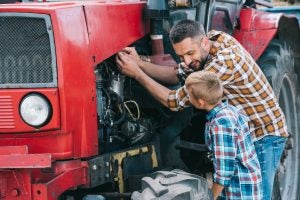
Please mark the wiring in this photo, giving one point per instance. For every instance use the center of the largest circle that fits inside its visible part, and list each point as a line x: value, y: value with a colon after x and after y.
x: 137, y: 117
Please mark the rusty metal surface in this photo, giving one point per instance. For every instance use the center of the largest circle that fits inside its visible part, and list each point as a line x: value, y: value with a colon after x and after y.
x: 15, y: 184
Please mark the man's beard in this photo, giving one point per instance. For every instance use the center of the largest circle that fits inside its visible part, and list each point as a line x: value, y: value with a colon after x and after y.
x: 197, y: 65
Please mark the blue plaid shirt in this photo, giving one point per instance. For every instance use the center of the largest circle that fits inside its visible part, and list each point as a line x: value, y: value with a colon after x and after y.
x: 235, y: 161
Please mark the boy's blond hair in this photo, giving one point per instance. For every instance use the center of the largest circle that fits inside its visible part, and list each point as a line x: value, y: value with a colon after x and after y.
x: 206, y: 86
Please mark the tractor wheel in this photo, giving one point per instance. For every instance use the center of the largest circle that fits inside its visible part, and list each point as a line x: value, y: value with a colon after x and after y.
x: 173, y: 185
x: 277, y: 63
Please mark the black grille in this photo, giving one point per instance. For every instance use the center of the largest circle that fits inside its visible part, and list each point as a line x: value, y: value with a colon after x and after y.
x: 25, y: 52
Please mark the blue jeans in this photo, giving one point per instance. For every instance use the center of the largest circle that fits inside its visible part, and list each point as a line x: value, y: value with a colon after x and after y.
x: 269, y: 150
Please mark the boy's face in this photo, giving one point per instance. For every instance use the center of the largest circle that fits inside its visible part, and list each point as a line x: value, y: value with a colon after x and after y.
x: 192, y: 52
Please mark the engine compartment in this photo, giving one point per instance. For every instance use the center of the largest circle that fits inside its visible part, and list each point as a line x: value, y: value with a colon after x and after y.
x: 127, y: 114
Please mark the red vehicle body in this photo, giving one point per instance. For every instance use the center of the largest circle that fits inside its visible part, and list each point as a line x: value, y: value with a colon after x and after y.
x: 64, y: 153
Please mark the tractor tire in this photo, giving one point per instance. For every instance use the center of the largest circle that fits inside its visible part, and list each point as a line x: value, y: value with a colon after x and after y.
x: 277, y: 63
x: 173, y: 185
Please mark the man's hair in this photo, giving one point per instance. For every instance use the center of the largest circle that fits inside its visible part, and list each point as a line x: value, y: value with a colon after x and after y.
x: 206, y: 86
x: 185, y: 29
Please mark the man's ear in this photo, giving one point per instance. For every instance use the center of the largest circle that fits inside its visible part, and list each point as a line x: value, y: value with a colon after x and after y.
x: 205, y: 43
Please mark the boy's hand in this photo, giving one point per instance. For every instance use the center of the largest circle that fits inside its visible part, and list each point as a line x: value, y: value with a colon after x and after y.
x: 217, y: 190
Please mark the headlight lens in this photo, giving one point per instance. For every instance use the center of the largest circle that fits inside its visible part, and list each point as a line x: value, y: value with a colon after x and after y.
x: 35, y: 110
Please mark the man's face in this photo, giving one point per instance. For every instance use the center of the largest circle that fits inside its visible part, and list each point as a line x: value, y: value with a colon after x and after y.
x: 191, y: 52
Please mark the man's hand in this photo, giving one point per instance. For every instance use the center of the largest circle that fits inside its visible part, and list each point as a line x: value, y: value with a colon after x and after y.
x: 126, y: 61
x: 131, y: 52
x: 163, y: 74
x: 127, y: 64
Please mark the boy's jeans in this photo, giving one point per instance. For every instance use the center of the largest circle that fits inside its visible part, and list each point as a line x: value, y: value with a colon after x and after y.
x: 269, y: 150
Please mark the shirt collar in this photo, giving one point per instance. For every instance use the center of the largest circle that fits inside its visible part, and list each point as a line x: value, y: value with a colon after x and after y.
x: 214, y: 36
x: 212, y: 113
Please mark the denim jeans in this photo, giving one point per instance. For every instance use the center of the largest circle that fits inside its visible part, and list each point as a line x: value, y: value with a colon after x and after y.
x: 269, y: 150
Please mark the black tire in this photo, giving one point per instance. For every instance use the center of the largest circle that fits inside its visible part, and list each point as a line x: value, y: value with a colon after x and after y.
x: 173, y: 185
x: 277, y: 63
x: 291, y: 1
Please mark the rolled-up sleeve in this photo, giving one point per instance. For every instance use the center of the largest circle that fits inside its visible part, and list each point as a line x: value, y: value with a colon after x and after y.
x: 224, y: 150
x: 178, y: 99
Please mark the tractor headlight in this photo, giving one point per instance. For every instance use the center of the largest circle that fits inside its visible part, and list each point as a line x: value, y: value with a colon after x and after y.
x: 35, y: 110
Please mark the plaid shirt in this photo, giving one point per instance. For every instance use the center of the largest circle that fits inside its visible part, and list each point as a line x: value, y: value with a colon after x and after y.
x: 235, y: 161
x: 245, y: 86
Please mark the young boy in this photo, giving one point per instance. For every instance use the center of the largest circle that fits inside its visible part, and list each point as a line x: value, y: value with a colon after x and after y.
x: 237, y: 173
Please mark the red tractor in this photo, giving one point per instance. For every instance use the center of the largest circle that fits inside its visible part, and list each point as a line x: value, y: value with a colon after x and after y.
x: 72, y: 126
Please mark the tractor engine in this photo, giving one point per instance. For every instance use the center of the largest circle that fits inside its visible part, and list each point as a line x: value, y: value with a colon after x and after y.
x: 120, y: 118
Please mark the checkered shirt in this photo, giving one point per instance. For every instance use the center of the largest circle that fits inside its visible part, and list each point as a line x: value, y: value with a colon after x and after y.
x: 236, y: 165
x: 245, y: 86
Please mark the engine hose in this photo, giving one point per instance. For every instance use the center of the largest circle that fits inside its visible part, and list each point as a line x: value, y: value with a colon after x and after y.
x: 120, y: 102
x: 121, y: 119
x: 108, y: 97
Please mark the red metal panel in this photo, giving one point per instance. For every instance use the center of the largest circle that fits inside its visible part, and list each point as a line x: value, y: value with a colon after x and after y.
x: 18, y: 157
x: 85, y: 41
x: 256, y: 30
x: 25, y: 161
x: 13, y: 150
x: 67, y: 175
x: 76, y: 80
x: 255, y: 42
x: 82, y: 33
x: 55, y: 142
x: 63, y: 182
x: 37, y: 140
x: 118, y: 25
x: 253, y: 19
x: 12, y: 99
x: 15, y: 184
x: 6, y: 113
x: 76, y: 87
x: 25, y: 184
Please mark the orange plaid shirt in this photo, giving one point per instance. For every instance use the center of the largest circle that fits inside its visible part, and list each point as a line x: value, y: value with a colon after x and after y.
x: 245, y: 86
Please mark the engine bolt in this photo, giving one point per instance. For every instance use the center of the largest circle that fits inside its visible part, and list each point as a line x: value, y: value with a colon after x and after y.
x: 94, y: 167
x: 15, y: 192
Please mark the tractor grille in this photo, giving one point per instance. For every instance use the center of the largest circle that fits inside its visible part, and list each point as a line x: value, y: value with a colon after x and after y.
x: 27, y: 57
x: 6, y: 113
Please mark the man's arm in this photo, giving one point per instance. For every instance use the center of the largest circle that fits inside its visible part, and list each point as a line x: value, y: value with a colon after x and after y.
x: 164, y: 74
x: 217, y: 189
x: 130, y: 68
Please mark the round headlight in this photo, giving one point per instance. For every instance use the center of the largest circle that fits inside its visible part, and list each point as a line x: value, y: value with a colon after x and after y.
x: 35, y: 110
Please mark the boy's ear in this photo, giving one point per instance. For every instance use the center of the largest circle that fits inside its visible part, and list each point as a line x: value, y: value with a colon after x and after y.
x: 201, y: 102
